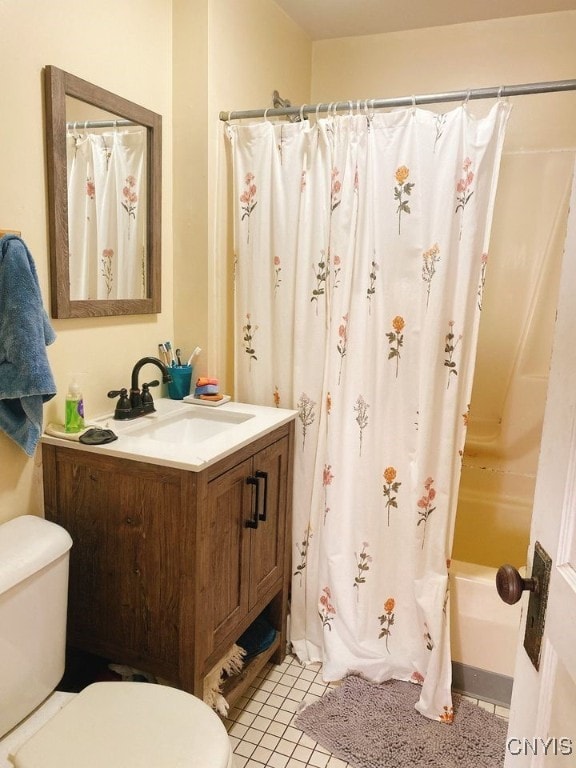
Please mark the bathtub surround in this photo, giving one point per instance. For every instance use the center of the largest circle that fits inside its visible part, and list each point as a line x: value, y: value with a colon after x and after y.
x: 371, y: 724
x: 360, y: 244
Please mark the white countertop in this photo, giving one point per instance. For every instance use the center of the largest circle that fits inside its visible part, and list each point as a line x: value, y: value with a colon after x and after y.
x: 170, y: 437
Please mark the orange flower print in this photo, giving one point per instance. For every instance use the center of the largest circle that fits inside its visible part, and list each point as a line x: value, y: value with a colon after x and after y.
x: 404, y: 188
x: 277, y: 270
x: 328, y: 403
x: 390, y: 487
x: 90, y: 188
x: 396, y: 340
x: 326, y: 610
x: 327, y: 478
x: 387, y: 620
x: 276, y: 397
x: 447, y: 716
x: 417, y: 677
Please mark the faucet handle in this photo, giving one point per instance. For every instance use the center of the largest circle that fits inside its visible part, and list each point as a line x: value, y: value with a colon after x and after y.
x: 147, y: 400
x: 123, y: 406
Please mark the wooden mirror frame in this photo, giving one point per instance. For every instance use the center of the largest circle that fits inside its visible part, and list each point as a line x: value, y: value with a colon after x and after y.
x: 57, y: 85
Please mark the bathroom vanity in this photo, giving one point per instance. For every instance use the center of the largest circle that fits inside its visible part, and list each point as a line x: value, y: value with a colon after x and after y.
x: 177, y: 548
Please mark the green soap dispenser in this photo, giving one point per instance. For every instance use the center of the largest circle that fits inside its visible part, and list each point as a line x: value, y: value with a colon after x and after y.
x: 74, y: 415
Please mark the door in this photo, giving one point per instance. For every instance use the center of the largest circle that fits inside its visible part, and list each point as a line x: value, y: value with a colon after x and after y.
x: 542, y: 728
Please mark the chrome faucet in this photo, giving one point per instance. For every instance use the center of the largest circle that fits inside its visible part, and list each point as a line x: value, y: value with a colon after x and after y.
x: 137, y: 403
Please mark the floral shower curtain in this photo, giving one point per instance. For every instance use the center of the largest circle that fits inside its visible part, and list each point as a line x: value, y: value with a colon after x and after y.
x: 107, y: 214
x: 361, y: 247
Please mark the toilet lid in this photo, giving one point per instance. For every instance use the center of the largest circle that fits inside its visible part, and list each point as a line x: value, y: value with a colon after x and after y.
x: 129, y: 725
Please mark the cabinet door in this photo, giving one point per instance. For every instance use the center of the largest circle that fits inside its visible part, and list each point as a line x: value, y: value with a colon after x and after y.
x: 225, y: 553
x: 125, y: 560
x: 270, y: 468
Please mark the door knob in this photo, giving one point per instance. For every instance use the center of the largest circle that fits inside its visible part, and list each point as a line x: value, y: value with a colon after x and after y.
x: 510, y: 584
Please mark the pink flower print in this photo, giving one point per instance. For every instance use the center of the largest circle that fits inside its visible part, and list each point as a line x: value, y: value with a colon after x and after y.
x: 417, y: 677
x: 248, y: 199
x: 90, y: 188
x: 335, y: 191
x: 464, y: 193
x: 327, y: 612
x: 130, y: 199
x: 327, y: 478
x: 424, y: 504
x: 327, y: 475
x: 335, y: 270
x: 343, y: 341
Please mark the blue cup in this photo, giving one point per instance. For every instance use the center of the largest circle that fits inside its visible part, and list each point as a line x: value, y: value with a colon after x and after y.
x: 179, y: 387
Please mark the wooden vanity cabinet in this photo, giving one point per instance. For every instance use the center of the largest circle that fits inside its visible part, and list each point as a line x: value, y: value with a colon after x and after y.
x: 169, y: 567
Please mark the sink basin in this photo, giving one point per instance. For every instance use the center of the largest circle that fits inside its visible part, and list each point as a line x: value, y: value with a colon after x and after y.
x: 188, y: 427
x: 182, y: 434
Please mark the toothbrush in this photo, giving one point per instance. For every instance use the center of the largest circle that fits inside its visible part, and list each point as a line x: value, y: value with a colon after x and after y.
x: 193, y: 356
x: 170, y: 353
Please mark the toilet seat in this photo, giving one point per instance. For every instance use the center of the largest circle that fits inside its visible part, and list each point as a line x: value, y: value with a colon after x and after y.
x: 129, y: 725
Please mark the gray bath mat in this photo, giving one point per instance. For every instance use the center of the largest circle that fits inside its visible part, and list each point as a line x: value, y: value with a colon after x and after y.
x: 374, y: 725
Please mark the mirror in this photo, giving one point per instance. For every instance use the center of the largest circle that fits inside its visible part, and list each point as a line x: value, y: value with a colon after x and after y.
x: 104, y: 200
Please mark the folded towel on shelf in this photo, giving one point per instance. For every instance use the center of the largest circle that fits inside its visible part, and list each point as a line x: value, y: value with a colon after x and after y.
x: 26, y: 380
x: 207, y: 389
x: 202, y: 381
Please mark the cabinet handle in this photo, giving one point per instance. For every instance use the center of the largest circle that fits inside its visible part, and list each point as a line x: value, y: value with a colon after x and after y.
x: 261, y: 475
x: 253, y: 523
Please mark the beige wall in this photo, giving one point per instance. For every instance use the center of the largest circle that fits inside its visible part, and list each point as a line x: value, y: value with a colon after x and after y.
x: 126, y: 48
x: 254, y: 49
x: 507, y: 405
x: 185, y: 59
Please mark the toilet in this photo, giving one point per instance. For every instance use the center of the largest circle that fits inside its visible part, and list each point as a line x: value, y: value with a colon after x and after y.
x: 116, y: 724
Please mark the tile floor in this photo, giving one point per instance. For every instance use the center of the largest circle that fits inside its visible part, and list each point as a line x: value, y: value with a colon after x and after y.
x: 261, y: 726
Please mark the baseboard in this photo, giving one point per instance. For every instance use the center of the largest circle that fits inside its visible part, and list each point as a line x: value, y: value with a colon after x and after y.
x: 489, y: 686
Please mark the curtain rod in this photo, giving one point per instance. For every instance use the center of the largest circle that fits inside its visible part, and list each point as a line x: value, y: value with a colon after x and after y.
x: 406, y: 101
x: 85, y: 124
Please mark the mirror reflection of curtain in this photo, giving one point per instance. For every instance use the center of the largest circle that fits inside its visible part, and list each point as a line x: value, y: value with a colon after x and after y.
x: 107, y: 214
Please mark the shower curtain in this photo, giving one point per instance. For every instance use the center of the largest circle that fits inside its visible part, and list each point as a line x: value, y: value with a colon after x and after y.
x: 361, y: 245
x: 107, y: 214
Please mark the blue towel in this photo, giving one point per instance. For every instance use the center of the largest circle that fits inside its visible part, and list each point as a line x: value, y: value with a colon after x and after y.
x: 26, y: 381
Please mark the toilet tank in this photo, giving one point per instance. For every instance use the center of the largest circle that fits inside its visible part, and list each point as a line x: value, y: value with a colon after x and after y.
x: 34, y: 556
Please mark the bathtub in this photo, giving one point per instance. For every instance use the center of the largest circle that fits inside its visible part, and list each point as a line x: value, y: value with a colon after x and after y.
x: 484, y: 633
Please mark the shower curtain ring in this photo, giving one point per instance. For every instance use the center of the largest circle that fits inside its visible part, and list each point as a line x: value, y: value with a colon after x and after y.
x: 317, y: 110
x: 465, y: 103
x: 302, y: 113
x: 266, y: 114
x: 350, y: 108
x: 500, y: 92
